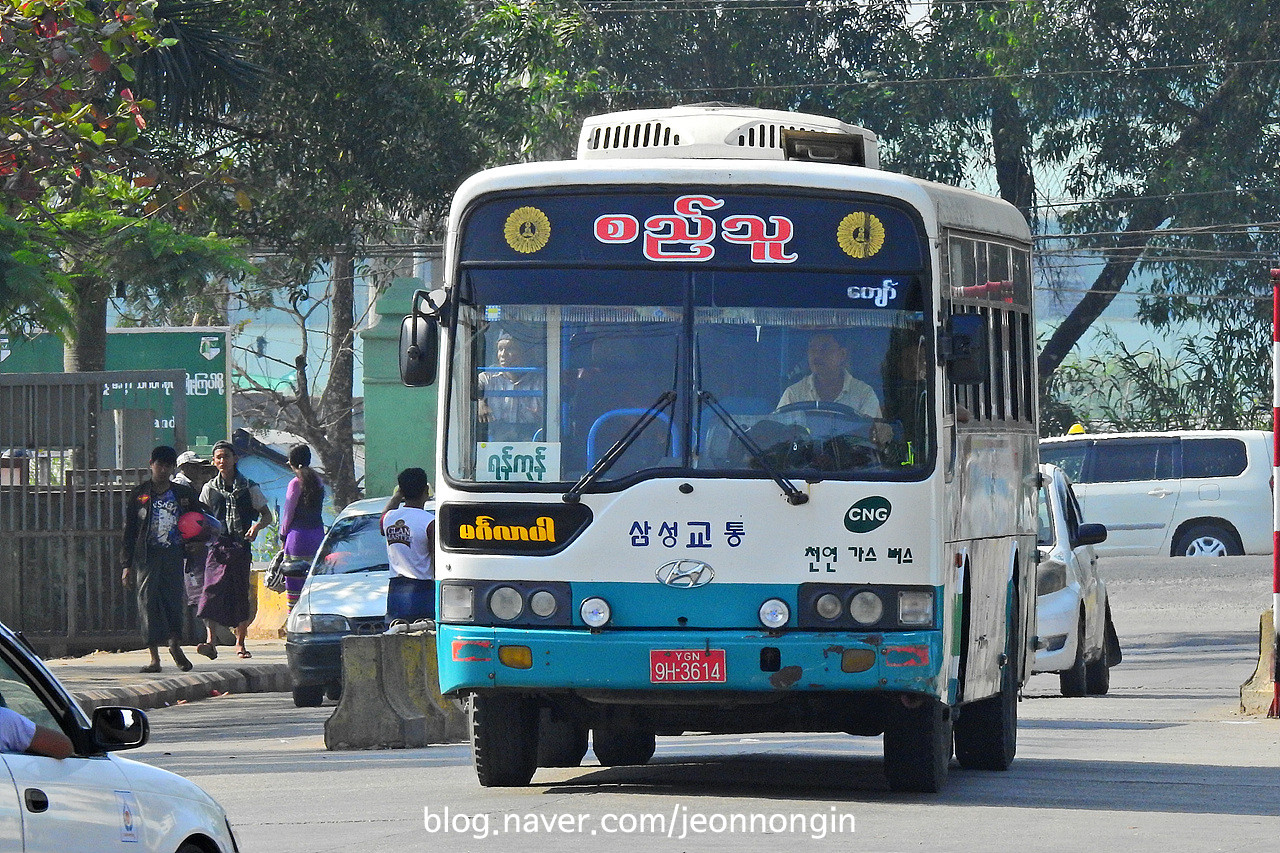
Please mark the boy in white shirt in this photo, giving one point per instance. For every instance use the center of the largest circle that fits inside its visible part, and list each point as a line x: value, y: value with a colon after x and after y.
x: 410, y: 531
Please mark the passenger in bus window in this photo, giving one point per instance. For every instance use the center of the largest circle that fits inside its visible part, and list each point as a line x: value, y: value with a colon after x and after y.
x: 830, y: 381
x: 506, y: 404
x: 903, y: 430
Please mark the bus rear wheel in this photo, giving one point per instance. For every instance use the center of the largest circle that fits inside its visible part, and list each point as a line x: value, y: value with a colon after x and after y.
x: 618, y: 744
x: 987, y: 730
x: 917, y: 746
x: 562, y: 740
x: 504, y: 739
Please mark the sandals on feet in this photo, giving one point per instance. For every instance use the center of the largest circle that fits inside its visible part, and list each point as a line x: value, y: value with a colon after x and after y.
x: 209, y: 650
x: 151, y: 667
x: 243, y: 653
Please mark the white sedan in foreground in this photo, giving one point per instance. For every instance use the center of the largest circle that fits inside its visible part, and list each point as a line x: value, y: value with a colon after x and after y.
x: 1075, y: 636
x: 93, y: 800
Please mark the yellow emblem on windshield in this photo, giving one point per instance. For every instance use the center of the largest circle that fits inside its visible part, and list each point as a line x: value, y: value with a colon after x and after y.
x: 527, y: 230
x: 860, y: 234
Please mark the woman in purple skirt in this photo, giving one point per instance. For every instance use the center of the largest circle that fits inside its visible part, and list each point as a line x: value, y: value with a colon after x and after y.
x: 301, y: 525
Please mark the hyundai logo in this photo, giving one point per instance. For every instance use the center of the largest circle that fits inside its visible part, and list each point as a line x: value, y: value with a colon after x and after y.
x: 685, y: 574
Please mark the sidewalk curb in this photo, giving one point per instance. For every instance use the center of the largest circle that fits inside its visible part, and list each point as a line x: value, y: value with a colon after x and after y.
x: 189, y: 687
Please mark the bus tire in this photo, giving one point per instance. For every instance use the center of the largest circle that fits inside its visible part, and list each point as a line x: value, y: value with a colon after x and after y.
x: 618, y: 745
x: 1074, y: 681
x: 562, y: 740
x: 917, y: 747
x: 504, y: 739
x: 987, y: 730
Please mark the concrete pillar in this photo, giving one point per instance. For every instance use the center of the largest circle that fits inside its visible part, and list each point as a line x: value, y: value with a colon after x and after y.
x: 1257, y: 693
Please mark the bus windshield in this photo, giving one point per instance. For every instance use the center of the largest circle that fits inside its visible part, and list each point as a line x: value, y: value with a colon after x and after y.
x: 706, y: 373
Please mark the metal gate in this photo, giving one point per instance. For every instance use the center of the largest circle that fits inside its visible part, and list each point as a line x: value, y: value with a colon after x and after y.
x: 72, y: 446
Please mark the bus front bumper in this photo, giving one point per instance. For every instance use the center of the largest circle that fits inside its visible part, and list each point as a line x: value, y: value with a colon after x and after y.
x: 634, y: 660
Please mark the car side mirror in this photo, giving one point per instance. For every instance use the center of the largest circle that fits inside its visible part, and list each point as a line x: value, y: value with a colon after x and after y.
x: 964, y: 348
x: 1091, y: 534
x: 420, y: 339
x: 115, y: 728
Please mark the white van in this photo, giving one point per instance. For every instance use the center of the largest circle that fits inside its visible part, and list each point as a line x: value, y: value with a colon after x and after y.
x: 1185, y: 493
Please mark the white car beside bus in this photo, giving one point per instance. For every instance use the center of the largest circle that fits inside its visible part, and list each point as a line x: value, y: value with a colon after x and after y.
x: 1075, y: 635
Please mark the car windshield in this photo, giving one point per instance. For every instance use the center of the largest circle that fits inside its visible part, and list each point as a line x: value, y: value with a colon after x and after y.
x: 17, y: 695
x: 541, y: 393
x: 353, y: 544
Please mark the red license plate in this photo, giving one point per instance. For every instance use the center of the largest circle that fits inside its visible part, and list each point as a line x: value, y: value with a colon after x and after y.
x: 686, y: 666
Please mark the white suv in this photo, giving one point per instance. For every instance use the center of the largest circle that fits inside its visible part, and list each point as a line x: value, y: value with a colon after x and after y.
x: 1187, y: 493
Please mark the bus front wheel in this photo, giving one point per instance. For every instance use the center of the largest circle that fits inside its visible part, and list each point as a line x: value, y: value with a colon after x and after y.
x: 917, y: 746
x: 504, y: 738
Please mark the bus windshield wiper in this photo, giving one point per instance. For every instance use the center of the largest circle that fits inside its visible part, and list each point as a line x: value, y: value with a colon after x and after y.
x: 619, y: 447
x: 794, y: 496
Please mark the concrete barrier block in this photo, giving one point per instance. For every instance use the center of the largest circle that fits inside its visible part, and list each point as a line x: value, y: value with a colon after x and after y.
x: 366, y: 718
x: 1257, y: 693
x: 414, y: 656
x: 391, y: 696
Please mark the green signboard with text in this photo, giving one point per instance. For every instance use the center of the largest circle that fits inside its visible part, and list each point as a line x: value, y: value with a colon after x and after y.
x: 202, y: 351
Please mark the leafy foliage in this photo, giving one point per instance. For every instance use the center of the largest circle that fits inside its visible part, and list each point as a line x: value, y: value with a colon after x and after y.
x: 1210, y: 382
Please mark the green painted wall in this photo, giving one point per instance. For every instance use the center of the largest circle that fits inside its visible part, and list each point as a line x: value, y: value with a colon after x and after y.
x: 399, y: 422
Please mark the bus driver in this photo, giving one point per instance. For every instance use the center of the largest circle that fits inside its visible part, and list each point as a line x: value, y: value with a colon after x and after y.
x: 829, y: 381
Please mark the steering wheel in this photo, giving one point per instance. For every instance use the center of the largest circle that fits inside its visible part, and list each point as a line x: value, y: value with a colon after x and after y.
x: 841, y: 448
x: 859, y: 429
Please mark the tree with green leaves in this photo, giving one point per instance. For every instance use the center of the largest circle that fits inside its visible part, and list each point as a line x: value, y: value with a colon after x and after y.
x: 93, y: 206
x: 1161, y: 121
x: 375, y: 113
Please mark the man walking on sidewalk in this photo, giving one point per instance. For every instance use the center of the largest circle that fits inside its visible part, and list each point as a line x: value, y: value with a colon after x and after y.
x: 153, y: 545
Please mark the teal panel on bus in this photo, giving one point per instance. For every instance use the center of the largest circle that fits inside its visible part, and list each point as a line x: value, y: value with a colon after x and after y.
x: 576, y: 659
x: 692, y: 226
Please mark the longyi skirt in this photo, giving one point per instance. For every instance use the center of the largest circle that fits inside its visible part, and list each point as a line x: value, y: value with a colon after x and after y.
x: 225, y: 598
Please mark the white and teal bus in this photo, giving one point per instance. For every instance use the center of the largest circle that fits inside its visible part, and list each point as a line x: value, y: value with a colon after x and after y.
x: 737, y: 434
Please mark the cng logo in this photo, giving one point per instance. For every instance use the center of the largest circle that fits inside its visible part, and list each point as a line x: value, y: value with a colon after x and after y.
x: 867, y: 514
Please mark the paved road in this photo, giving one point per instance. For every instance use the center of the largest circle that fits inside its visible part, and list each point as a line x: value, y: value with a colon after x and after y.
x: 1164, y: 763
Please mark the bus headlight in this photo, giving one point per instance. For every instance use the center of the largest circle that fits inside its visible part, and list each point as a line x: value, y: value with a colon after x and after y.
x: 595, y: 612
x: 506, y: 603
x: 457, y: 603
x: 774, y: 613
x: 542, y: 603
x: 866, y: 608
x: 915, y: 607
x: 828, y: 606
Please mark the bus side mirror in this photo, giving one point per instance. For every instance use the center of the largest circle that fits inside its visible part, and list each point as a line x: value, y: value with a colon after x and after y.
x: 420, y: 339
x: 964, y: 347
